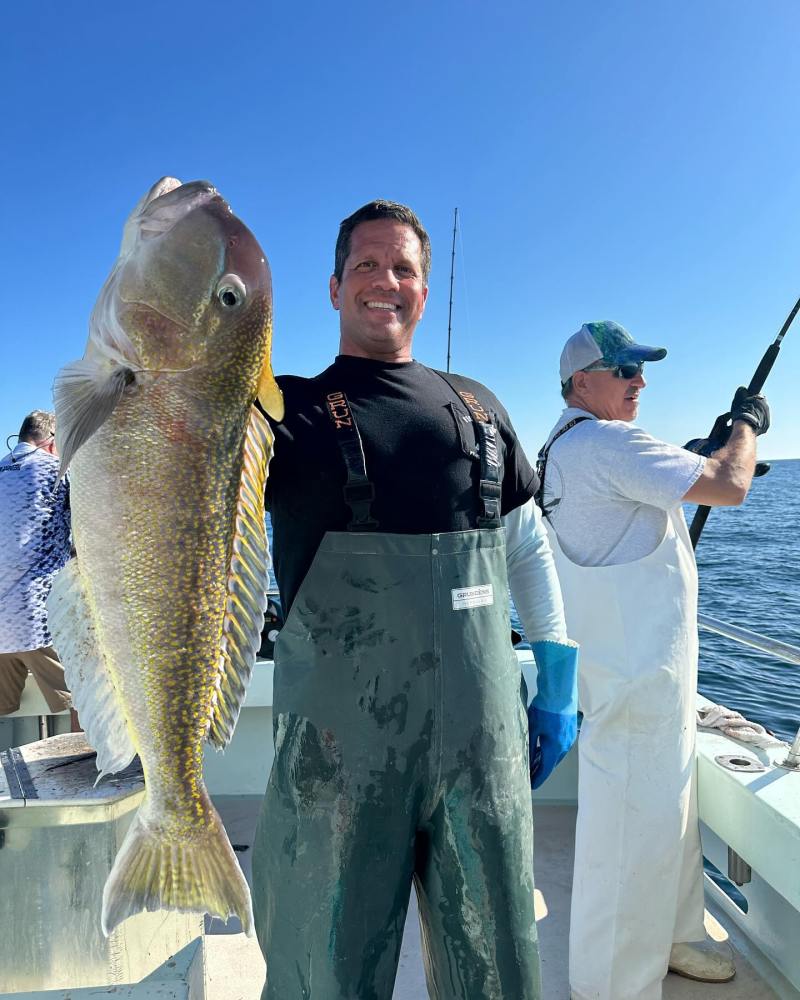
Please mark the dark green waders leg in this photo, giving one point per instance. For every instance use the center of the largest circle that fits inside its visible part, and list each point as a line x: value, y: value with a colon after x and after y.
x: 401, y: 753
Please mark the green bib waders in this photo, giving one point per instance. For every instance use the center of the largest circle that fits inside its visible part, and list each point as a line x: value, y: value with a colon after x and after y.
x: 401, y: 753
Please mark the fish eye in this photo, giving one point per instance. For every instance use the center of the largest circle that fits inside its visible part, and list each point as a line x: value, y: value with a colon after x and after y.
x: 231, y: 291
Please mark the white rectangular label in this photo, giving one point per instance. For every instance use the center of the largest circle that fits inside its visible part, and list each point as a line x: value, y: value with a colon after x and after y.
x: 472, y: 597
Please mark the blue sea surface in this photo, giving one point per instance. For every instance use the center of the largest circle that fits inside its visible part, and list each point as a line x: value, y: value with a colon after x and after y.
x: 748, y: 559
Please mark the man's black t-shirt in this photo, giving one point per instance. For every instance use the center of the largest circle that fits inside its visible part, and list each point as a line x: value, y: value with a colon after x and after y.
x: 420, y: 453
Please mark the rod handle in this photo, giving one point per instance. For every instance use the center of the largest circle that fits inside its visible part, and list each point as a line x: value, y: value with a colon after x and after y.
x: 764, y: 368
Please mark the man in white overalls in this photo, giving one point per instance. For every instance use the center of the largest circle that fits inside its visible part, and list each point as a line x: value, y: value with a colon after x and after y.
x: 612, y: 495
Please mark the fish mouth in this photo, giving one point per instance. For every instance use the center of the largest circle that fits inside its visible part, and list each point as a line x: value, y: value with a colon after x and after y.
x: 164, y: 208
x: 165, y: 204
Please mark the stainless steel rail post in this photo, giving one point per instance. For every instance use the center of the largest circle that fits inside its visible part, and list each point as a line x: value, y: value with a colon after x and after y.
x: 780, y: 650
x: 792, y: 762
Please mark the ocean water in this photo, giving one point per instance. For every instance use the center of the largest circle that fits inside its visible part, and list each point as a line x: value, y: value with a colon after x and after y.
x: 748, y: 559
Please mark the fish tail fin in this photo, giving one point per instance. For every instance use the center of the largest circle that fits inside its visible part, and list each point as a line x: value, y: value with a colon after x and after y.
x: 199, y: 874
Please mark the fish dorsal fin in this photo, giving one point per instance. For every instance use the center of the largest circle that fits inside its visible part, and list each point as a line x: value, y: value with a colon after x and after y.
x: 71, y: 622
x: 248, y: 579
x: 269, y: 393
x: 85, y: 393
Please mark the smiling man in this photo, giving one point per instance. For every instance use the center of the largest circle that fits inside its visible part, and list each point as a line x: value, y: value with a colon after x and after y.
x: 402, y: 509
x: 612, y: 494
x: 378, y: 317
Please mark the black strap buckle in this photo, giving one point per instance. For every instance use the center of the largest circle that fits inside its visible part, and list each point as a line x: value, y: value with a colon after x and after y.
x: 490, y: 490
x: 358, y: 493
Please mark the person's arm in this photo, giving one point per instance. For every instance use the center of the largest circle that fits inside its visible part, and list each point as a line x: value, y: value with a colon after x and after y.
x: 728, y: 472
x: 532, y: 575
x: 553, y: 712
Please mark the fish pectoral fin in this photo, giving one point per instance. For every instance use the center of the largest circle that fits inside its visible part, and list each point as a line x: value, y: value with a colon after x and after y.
x: 85, y: 394
x: 269, y: 393
x: 71, y: 622
x: 247, y: 583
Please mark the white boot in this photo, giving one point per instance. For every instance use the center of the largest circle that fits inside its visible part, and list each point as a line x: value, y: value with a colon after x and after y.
x: 706, y: 961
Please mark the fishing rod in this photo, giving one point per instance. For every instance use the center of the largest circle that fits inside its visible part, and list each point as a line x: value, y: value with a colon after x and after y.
x: 721, y: 430
x: 452, y: 272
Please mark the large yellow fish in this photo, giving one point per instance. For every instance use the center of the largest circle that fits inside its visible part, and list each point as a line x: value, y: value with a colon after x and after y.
x: 158, y: 619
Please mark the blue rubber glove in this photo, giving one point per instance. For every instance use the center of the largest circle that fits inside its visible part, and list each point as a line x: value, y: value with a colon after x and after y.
x: 553, y: 713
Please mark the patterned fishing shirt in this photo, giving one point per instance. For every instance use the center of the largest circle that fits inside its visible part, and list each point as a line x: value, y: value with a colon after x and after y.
x: 34, y: 544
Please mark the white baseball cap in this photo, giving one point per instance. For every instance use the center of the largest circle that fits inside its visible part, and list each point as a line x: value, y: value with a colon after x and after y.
x: 606, y: 342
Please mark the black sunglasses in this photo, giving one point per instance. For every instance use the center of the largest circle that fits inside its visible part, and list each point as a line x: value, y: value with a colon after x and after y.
x: 627, y: 372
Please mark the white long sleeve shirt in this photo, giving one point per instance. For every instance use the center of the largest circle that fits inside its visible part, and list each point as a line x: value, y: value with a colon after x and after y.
x: 532, y: 576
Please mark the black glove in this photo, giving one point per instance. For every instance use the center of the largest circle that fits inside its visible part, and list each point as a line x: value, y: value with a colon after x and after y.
x: 753, y: 410
x: 707, y: 446
x: 717, y: 439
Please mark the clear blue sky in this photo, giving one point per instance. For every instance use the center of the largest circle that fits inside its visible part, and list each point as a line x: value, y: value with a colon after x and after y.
x: 610, y: 160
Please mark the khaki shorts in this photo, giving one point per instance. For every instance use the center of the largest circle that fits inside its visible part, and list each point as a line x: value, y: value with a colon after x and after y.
x: 43, y: 663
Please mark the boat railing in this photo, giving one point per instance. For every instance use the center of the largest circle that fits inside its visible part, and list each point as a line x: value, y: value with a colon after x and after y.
x: 783, y: 651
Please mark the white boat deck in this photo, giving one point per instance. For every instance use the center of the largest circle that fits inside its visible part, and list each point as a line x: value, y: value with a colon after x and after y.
x: 235, y: 969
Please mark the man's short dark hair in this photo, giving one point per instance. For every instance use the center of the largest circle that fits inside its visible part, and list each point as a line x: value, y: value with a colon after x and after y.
x: 38, y: 426
x: 566, y: 388
x: 369, y: 213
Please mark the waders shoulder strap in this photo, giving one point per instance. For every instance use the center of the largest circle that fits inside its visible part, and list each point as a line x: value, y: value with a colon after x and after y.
x: 490, y: 488
x: 541, y: 467
x: 358, y: 491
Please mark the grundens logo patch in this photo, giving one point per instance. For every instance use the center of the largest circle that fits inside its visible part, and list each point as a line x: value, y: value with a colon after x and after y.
x: 472, y: 597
